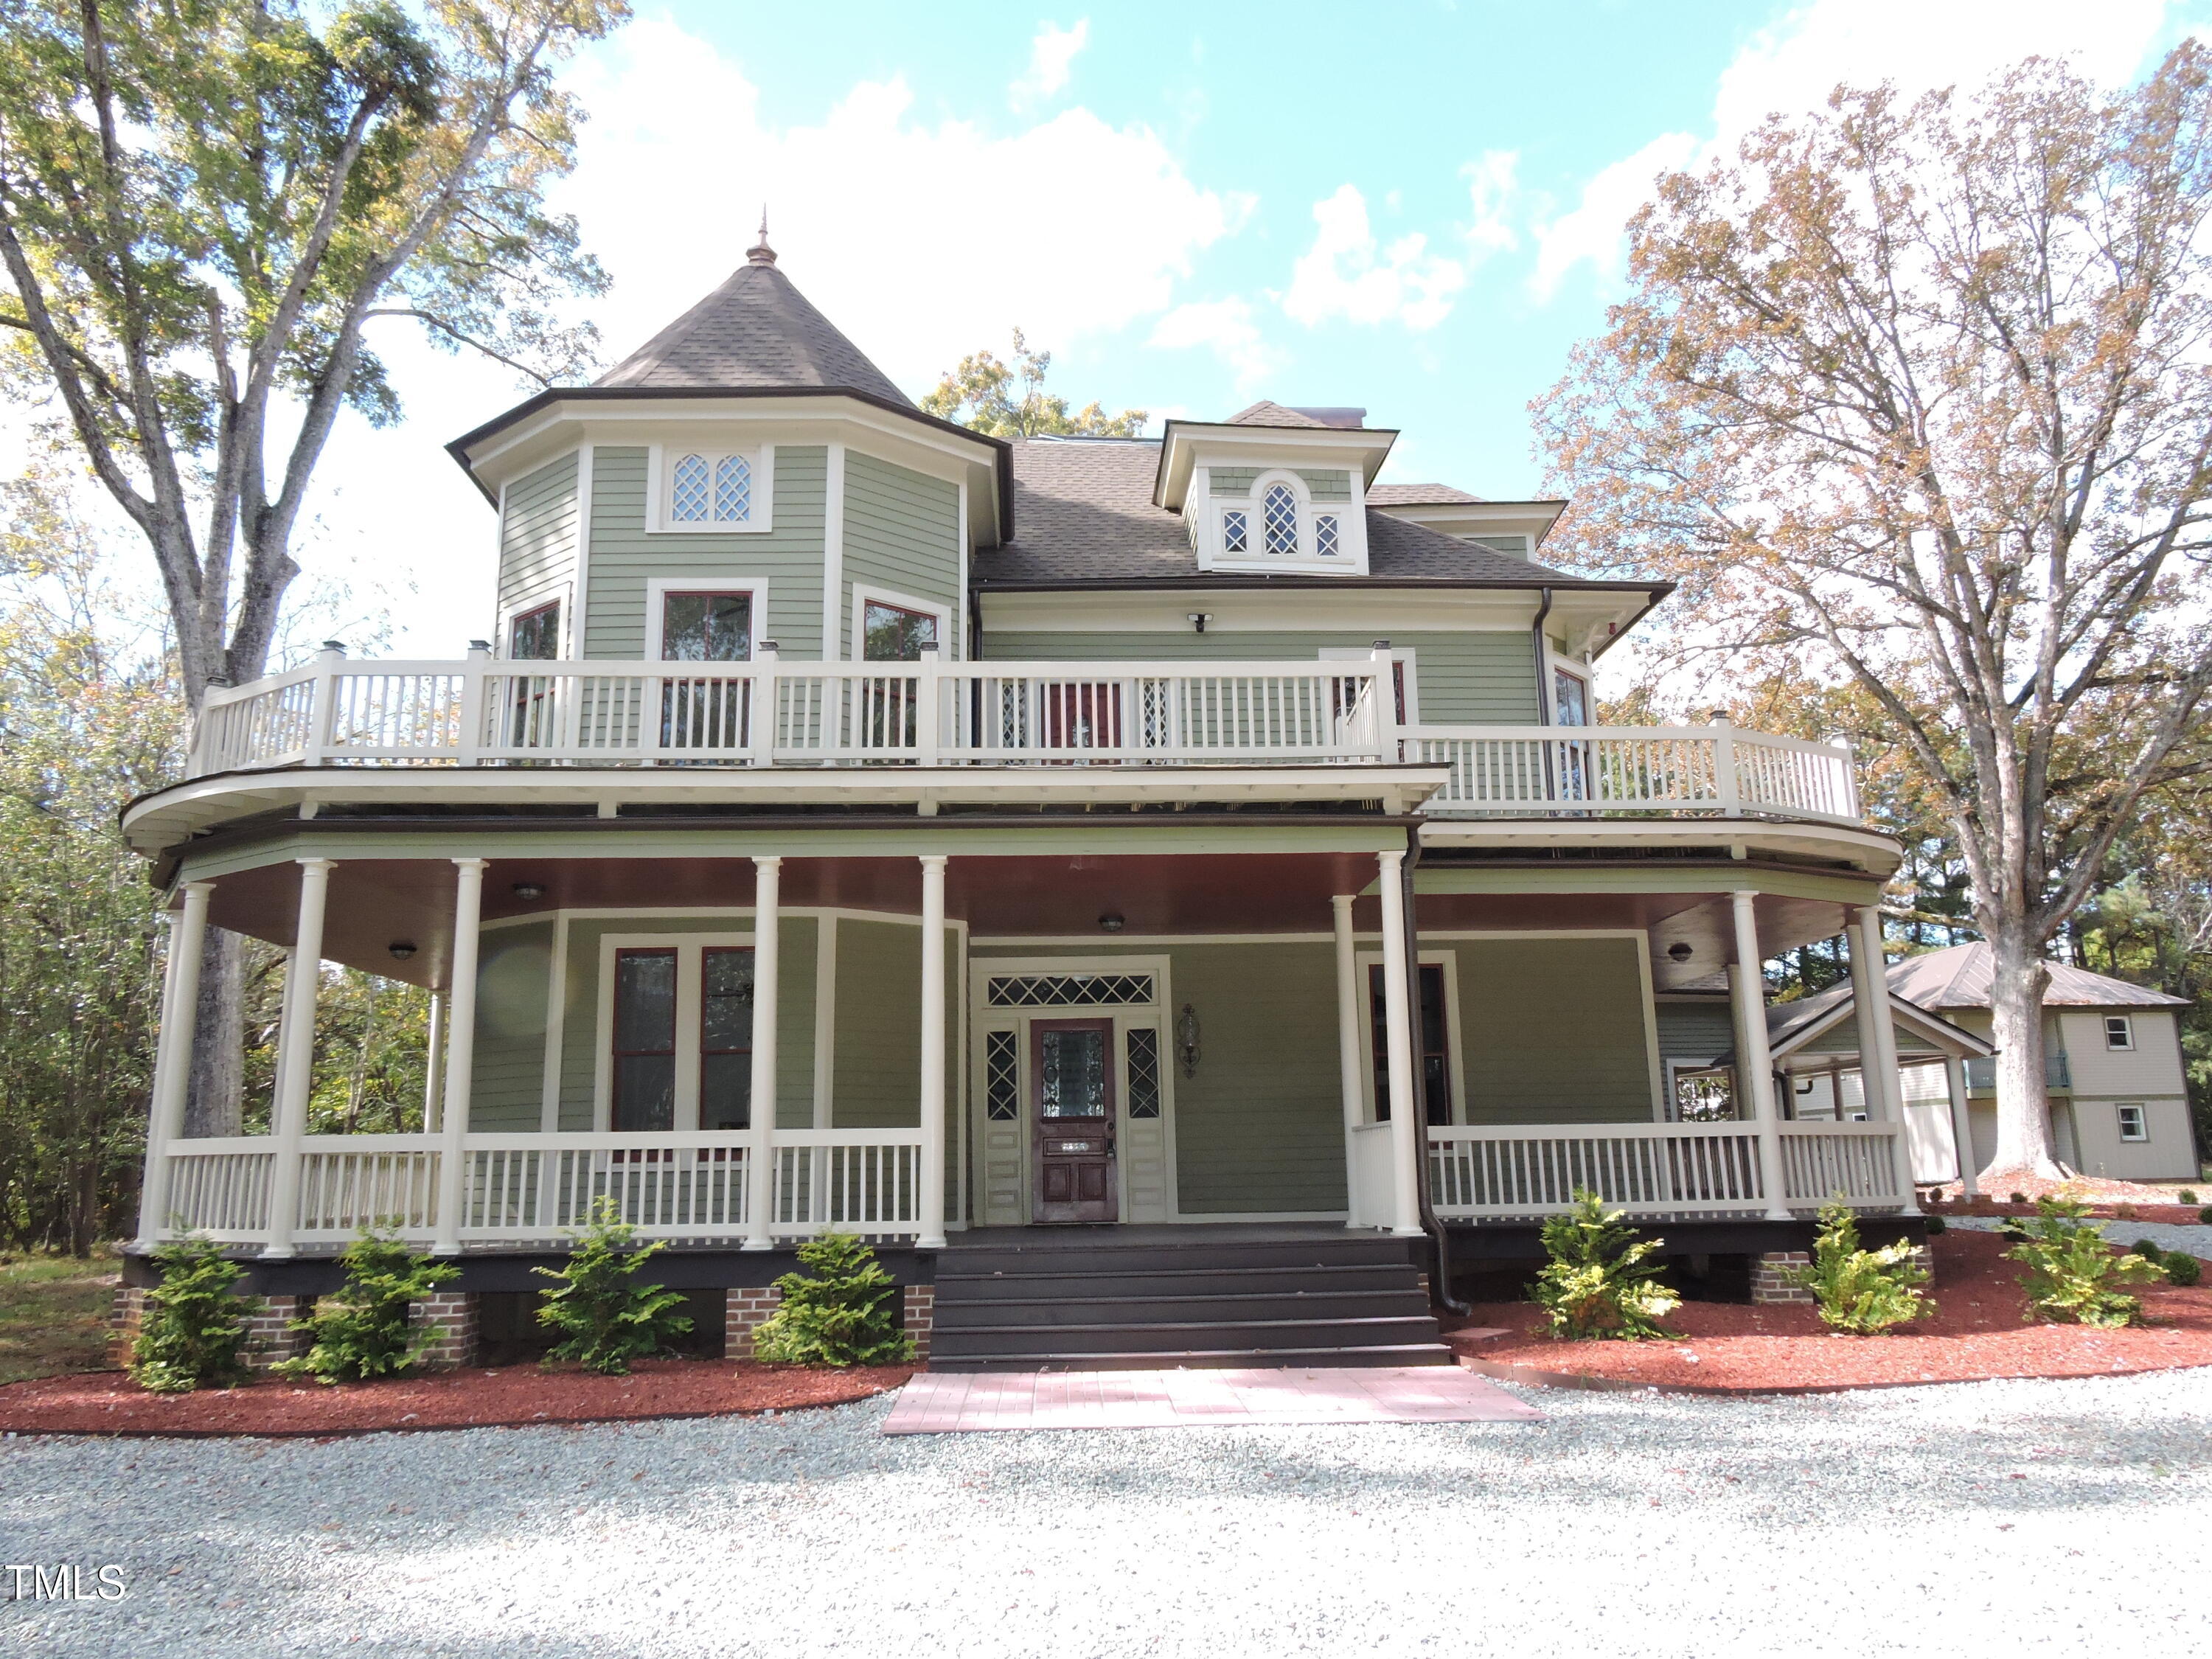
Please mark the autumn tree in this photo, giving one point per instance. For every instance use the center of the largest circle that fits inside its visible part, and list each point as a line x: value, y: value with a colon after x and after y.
x: 206, y: 207
x: 1008, y: 401
x: 1914, y: 397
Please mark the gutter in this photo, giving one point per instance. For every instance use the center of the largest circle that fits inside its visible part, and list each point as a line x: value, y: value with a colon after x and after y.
x: 1440, y: 1292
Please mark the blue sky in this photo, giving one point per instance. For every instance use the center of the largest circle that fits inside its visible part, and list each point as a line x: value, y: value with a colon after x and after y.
x: 1412, y: 207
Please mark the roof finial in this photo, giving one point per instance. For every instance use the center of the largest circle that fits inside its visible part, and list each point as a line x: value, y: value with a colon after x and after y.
x: 760, y: 253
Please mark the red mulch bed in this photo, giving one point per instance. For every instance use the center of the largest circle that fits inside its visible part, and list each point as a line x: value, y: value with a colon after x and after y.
x: 1976, y: 1333
x: 512, y: 1396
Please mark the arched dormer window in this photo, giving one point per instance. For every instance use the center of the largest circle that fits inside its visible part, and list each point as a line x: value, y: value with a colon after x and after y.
x: 1278, y: 517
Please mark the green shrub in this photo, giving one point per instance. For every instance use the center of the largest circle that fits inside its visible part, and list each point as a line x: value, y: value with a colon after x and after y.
x: 362, y: 1332
x: 1598, y: 1282
x: 2070, y: 1270
x: 2204, y: 1215
x: 194, y: 1325
x: 2148, y: 1251
x: 841, y: 1316
x: 607, y: 1317
x: 1861, y: 1292
x: 2181, y: 1267
x: 2186, y: 1195
x: 1937, y: 1225
x: 2016, y: 1198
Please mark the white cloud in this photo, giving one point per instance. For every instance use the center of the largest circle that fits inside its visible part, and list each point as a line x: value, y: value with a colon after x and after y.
x: 1229, y: 329
x: 1052, y: 55
x: 1793, y: 64
x: 1493, y: 190
x: 1345, y: 273
x: 920, y: 241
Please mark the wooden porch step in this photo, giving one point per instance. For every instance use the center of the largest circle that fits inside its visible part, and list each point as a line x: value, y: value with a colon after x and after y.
x: 1414, y: 1354
x: 1155, y: 1336
x: 1375, y: 1278
x: 1231, y: 1307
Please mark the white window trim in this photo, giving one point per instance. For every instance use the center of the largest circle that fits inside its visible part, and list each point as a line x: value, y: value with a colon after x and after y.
x: 2120, y: 1109
x: 659, y: 464
x: 1454, y: 1048
x: 1557, y: 662
x: 1350, y: 556
x: 2127, y: 1030
x: 689, y: 975
x: 657, y: 589
x: 1402, y: 654
x: 863, y: 592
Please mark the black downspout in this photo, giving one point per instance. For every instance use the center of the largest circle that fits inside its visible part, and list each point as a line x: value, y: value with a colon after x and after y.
x: 1440, y: 1292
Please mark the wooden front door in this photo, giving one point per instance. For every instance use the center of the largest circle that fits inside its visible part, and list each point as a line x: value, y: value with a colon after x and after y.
x: 1072, y: 1098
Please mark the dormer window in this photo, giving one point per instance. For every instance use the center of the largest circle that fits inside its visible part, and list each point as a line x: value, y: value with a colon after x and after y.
x: 1281, y: 518
x: 1236, y: 537
x: 698, y: 488
x: 1325, y: 535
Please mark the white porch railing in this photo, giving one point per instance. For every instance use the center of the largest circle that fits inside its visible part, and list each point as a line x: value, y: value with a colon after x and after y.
x: 770, y: 714
x: 1484, y: 1172
x: 1716, y: 770
x: 517, y: 1189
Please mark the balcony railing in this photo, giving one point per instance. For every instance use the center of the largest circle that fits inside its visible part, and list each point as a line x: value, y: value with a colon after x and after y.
x: 1982, y: 1072
x: 768, y: 713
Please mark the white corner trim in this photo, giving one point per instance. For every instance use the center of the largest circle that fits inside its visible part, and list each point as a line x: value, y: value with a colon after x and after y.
x: 959, y: 646
x: 833, y: 553
x: 864, y: 594
x: 659, y: 466
x: 582, y: 600
x: 657, y: 589
x: 557, y: 1010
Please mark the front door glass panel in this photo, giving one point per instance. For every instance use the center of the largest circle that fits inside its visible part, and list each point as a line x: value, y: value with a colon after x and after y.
x: 1072, y: 1088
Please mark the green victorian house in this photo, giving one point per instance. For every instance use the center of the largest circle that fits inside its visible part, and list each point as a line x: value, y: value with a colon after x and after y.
x: 1167, y: 892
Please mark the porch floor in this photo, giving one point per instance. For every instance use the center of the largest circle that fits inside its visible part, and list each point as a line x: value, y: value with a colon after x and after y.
x: 938, y: 1402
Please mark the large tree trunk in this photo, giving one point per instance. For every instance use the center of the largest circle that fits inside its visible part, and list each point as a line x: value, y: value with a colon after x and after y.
x: 2018, y: 977
x: 214, y: 1103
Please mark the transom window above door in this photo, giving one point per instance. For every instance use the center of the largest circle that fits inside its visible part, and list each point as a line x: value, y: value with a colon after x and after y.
x: 705, y: 625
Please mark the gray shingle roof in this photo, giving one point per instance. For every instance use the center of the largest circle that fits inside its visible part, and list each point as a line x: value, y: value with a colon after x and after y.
x: 1083, y: 512
x: 756, y: 331
x: 1265, y: 413
x: 1428, y: 494
x: 1959, y: 977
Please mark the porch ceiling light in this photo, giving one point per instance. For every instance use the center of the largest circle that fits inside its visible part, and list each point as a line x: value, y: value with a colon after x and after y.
x: 1186, y: 1040
x: 1112, y: 921
x: 401, y: 949
x: 526, y: 891
x: 1679, y: 951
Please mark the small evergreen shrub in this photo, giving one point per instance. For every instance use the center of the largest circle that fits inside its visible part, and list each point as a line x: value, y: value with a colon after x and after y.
x: 1861, y: 1292
x: 2071, y: 1271
x: 2181, y: 1267
x: 2186, y: 1195
x: 1937, y: 1225
x: 841, y: 1316
x: 2124, y: 1212
x: 2147, y: 1250
x: 362, y: 1332
x: 1598, y: 1282
x: 194, y: 1325
x: 2016, y: 1198
x: 605, y: 1316
x: 2204, y: 1215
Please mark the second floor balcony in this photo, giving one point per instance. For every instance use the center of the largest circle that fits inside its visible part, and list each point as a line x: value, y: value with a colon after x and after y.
x: 341, y: 711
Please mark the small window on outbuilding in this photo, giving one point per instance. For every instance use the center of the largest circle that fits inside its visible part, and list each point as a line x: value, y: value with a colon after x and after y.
x: 2133, y: 1124
x: 2119, y: 1031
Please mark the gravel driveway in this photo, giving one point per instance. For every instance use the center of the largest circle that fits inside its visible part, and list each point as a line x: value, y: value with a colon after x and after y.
x: 1992, y: 1518
x: 2166, y: 1234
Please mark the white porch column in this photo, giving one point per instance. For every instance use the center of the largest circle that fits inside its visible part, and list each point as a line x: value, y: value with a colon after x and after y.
x: 932, y: 1054
x: 1868, y: 985
x: 460, y: 1050
x: 1754, y: 1062
x: 1347, y: 1053
x: 1962, y: 1127
x: 1408, y: 1113
x: 295, y: 1053
x: 173, y: 1059
x: 1881, y: 1022
x: 433, y: 1062
x: 760, y: 1194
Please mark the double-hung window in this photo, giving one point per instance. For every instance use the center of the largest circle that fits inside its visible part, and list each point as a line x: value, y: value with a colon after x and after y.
x: 2119, y: 1031
x: 1433, y: 1064
x: 678, y: 1036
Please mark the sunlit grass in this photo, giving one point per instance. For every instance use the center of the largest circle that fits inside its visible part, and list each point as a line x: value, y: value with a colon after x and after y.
x: 53, y: 1314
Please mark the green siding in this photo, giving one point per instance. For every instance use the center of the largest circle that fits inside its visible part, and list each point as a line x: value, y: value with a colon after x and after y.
x: 1695, y: 1031
x: 1260, y: 1128
x: 580, y: 1035
x: 507, y: 1083
x: 537, y: 540
x: 624, y: 557
x: 902, y: 532
x: 1469, y: 678
x: 1552, y: 1031
x: 1323, y: 485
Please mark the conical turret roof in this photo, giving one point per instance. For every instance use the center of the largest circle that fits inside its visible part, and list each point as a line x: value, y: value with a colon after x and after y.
x: 755, y: 332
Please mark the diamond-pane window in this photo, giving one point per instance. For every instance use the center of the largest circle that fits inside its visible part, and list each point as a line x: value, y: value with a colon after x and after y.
x: 1002, y: 1084
x: 1325, y: 535
x: 1234, y: 539
x: 1279, y: 516
x: 1144, y: 1072
x: 1068, y: 990
x: 687, y: 500
x: 733, y: 490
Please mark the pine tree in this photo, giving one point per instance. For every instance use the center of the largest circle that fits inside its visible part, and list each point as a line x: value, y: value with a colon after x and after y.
x: 841, y: 1316
x: 195, y: 1323
x: 608, y: 1318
